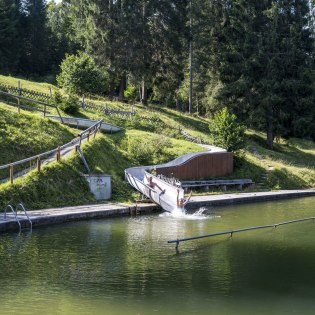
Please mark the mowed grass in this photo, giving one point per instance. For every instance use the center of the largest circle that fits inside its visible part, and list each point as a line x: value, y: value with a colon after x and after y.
x: 25, y: 134
x: 27, y: 84
x: 291, y: 165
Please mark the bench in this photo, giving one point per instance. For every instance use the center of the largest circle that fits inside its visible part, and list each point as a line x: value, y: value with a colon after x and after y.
x: 223, y: 183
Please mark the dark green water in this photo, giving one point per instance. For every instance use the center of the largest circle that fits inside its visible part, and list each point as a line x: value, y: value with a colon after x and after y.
x: 125, y: 266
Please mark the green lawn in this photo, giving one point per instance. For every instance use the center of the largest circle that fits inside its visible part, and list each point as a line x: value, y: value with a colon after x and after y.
x: 291, y: 165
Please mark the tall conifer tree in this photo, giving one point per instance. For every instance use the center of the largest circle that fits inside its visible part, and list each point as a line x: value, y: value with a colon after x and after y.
x: 34, y: 60
x: 9, y: 35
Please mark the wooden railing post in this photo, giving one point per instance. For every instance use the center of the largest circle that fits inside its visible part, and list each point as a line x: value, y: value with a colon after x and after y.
x: 83, y: 104
x: 11, y: 174
x: 88, y: 136
x: 19, y: 88
x: 38, y: 164
x: 58, y: 155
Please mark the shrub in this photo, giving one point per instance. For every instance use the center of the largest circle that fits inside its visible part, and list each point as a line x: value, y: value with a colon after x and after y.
x: 131, y: 93
x: 148, y: 150
x: 227, y: 132
x: 79, y: 74
x: 69, y: 105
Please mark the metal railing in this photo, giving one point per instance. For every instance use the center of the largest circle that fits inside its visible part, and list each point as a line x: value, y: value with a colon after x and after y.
x: 13, y: 214
x: 231, y: 232
x: 21, y: 207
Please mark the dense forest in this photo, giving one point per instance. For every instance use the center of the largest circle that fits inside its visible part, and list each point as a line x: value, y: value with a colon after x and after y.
x: 257, y: 57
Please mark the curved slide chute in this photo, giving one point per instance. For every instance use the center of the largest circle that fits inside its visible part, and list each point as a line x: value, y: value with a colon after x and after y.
x: 138, y: 178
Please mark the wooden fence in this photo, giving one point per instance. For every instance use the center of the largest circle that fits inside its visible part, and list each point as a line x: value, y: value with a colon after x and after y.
x: 19, y: 105
x: 106, y: 110
x: 30, y: 94
x: 47, y: 157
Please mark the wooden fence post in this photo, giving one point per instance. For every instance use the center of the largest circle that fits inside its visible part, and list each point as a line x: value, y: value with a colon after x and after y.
x: 88, y: 136
x: 11, y: 174
x: 58, y: 155
x: 83, y: 104
x: 19, y: 88
x: 38, y: 164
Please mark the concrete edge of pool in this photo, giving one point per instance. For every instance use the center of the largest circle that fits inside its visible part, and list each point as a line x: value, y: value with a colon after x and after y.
x: 77, y: 213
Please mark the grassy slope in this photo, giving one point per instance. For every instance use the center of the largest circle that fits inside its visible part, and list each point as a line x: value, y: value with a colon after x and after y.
x: 59, y: 184
x: 36, y: 86
x: 23, y: 135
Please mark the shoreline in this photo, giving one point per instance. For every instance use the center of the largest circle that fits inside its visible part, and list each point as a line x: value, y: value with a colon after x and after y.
x: 238, y: 198
x: 53, y: 216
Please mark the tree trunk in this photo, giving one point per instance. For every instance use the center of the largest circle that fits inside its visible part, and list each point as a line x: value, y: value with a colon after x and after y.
x: 270, y: 132
x: 112, y: 89
x: 122, y: 88
x: 144, y: 98
x: 177, y: 102
x: 140, y: 93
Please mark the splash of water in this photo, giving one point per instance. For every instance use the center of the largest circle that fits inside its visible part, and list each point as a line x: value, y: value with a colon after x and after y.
x: 199, y: 212
x: 181, y: 214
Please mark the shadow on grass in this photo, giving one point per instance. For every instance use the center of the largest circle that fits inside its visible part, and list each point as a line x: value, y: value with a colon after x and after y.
x: 245, y: 169
x: 288, y: 154
x: 282, y: 179
x: 200, y: 125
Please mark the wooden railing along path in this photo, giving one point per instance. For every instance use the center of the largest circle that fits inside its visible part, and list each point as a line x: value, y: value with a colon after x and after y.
x: 19, y: 105
x: 46, y: 99
x: 53, y: 155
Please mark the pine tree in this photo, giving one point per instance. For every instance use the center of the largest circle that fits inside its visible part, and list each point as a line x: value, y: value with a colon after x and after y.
x: 9, y: 35
x: 62, y: 38
x: 35, y: 38
x: 261, y: 64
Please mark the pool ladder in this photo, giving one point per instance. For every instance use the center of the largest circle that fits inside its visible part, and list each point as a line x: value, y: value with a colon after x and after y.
x: 10, y: 212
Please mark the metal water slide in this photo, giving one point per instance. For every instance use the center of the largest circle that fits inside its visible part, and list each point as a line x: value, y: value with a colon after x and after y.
x: 137, y: 178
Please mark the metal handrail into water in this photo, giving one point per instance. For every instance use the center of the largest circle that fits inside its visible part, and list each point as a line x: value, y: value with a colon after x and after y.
x: 231, y: 232
x: 22, y: 207
x: 14, y: 215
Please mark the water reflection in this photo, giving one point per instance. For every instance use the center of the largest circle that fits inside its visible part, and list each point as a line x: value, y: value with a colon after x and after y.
x: 125, y: 266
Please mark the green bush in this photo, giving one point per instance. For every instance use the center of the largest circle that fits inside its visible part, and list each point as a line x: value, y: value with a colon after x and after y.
x: 148, y: 150
x: 80, y: 75
x: 69, y: 105
x: 227, y: 133
x: 131, y: 93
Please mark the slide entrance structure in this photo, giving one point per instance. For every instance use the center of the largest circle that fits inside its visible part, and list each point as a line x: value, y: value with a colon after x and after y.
x: 213, y: 162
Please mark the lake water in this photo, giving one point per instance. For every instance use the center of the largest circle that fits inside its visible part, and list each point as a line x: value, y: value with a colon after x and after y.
x: 125, y: 265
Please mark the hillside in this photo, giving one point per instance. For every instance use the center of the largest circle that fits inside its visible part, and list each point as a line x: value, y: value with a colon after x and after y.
x: 150, y: 137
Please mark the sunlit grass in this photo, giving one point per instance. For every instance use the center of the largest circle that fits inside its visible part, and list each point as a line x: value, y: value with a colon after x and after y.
x: 291, y: 165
